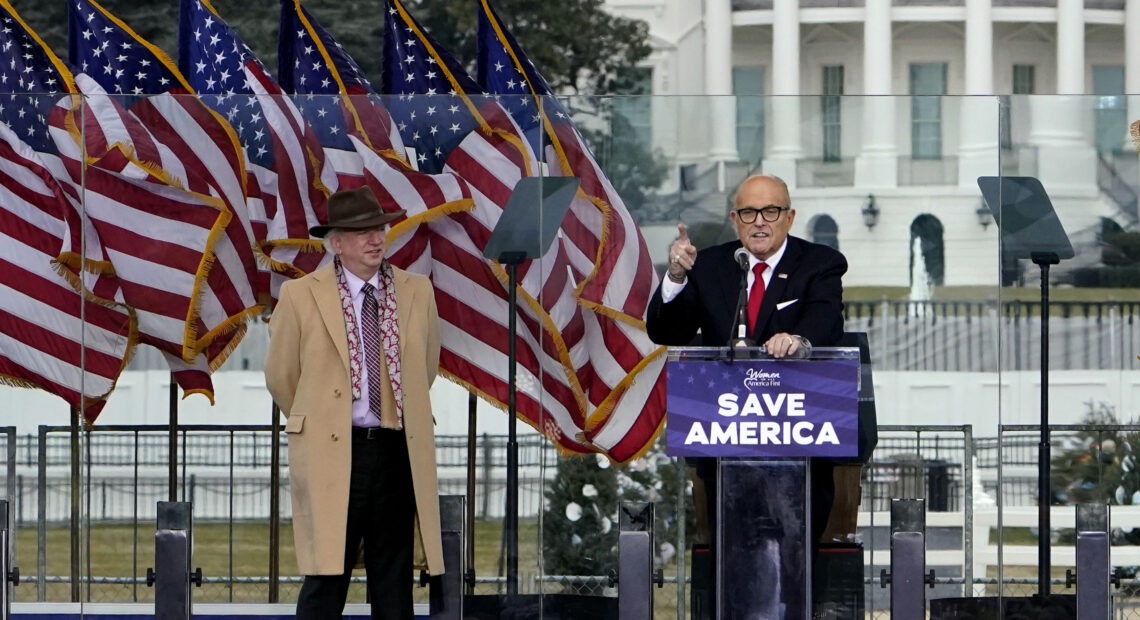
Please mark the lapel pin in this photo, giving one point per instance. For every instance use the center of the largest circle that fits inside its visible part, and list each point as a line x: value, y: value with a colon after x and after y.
x: 782, y: 276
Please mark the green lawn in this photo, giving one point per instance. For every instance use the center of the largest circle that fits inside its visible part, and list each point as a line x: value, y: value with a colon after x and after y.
x: 118, y: 551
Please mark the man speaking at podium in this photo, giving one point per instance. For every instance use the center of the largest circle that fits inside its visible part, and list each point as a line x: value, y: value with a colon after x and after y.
x: 794, y: 301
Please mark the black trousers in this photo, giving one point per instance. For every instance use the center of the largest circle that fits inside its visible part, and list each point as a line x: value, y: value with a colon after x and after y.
x: 381, y: 516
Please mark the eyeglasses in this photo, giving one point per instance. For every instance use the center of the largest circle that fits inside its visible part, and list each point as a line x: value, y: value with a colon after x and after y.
x: 770, y: 213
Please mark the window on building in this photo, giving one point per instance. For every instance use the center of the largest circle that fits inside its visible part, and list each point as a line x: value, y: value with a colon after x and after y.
x: 830, y: 102
x: 1024, y: 83
x: 1111, y: 109
x: 634, y: 113
x: 748, y: 86
x: 825, y: 231
x: 927, y: 85
x: 1024, y: 79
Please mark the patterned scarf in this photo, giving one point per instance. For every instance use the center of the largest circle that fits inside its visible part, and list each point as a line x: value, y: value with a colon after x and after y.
x: 389, y: 333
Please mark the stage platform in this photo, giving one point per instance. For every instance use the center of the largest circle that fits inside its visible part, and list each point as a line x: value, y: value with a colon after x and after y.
x: 141, y: 611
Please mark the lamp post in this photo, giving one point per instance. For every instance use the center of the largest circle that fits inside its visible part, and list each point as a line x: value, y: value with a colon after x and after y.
x: 985, y: 216
x: 870, y: 212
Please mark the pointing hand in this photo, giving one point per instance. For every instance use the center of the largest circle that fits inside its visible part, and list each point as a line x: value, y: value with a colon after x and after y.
x: 682, y: 254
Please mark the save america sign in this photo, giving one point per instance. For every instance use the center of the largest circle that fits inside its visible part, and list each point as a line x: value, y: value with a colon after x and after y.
x: 763, y: 408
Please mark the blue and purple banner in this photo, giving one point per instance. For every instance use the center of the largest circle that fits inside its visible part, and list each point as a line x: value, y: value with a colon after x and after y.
x: 763, y: 408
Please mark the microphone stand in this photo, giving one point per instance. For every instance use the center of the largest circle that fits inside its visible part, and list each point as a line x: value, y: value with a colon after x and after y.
x: 740, y: 339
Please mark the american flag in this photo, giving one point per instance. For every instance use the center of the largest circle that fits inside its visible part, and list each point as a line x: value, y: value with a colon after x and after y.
x: 311, y: 62
x: 619, y: 282
x: 307, y: 65
x: 51, y: 337
x: 186, y: 258
x: 282, y: 151
x: 359, y: 136
x: 32, y: 77
x: 503, y: 68
x: 434, y: 111
x: 154, y: 233
x: 556, y: 386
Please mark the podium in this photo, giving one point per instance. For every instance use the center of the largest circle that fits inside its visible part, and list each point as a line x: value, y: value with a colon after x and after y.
x: 764, y: 419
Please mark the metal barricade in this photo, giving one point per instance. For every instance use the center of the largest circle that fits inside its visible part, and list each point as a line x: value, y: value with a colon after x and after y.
x: 635, y: 575
x: 171, y: 577
x: 445, y: 599
x: 8, y: 573
x: 908, y: 559
x: 1093, y: 562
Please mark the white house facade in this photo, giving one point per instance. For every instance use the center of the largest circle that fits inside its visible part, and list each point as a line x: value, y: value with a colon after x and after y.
x: 881, y: 116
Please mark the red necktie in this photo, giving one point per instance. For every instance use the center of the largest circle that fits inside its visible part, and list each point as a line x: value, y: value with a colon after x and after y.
x: 755, y: 295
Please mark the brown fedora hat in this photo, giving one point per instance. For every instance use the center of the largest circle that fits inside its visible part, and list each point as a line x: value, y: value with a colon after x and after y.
x: 355, y: 209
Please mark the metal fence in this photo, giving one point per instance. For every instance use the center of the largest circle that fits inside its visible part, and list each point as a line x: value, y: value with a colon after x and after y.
x: 103, y: 556
x: 227, y: 473
x: 976, y: 336
x: 988, y: 336
x: 224, y: 471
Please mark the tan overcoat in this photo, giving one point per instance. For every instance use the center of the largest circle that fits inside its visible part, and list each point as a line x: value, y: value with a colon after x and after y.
x: 307, y: 372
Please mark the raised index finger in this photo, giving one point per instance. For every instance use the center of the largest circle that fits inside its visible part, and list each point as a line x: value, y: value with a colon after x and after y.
x: 683, y: 232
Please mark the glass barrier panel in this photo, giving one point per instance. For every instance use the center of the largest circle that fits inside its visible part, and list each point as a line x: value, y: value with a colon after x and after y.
x: 181, y: 253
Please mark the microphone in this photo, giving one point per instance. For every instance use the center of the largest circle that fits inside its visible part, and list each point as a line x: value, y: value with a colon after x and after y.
x: 741, y: 256
x: 741, y: 337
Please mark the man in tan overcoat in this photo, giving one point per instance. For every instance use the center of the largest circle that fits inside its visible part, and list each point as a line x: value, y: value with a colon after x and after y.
x: 354, y: 349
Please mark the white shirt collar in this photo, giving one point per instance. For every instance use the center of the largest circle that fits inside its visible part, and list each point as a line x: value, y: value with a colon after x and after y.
x: 355, y: 283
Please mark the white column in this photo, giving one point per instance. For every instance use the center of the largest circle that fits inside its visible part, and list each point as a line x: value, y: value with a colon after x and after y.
x: 786, y: 147
x: 1066, y: 158
x: 877, y: 164
x: 1132, y: 48
x: 1070, y: 47
x: 978, y: 118
x: 979, y: 48
x: 1132, y: 56
x: 718, y: 80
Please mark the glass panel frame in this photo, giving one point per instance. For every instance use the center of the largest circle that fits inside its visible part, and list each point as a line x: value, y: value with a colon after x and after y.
x: 956, y: 361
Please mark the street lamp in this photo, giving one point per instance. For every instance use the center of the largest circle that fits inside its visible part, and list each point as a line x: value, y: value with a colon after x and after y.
x: 985, y: 216
x: 870, y: 212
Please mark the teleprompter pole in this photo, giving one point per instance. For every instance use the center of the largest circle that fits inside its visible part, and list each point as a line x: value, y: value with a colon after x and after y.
x: 1044, y: 495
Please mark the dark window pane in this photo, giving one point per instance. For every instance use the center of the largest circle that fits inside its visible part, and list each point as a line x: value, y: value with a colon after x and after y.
x: 748, y: 86
x: 830, y: 102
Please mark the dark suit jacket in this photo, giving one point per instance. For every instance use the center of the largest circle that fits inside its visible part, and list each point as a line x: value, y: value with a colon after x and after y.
x: 808, y: 276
